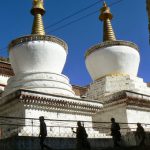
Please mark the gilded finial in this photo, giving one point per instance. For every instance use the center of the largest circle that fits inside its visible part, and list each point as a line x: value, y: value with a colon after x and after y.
x: 106, y: 16
x: 104, y: 4
x: 38, y: 11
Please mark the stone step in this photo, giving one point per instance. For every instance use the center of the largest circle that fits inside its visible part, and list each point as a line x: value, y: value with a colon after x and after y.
x: 119, y: 148
x: 127, y: 148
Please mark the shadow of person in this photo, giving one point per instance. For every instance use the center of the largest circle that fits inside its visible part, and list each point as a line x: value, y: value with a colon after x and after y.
x: 43, y: 134
x: 47, y: 147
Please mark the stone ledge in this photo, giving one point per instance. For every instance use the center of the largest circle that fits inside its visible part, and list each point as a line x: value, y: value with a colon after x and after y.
x: 131, y: 99
x: 126, y: 94
x: 32, y: 143
x: 47, y: 101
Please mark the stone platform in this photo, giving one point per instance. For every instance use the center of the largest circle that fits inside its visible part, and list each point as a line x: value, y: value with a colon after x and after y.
x: 32, y: 143
x: 126, y: 107
x: 114, y: 83
x: 29, y: 104
x: 128, y: 148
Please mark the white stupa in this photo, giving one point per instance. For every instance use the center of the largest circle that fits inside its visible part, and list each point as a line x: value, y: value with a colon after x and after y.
x: 38, y: 60
x: 113, y: 64
x: 111, y: 56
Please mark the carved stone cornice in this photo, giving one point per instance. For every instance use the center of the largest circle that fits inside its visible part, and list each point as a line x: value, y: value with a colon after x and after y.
x: 114, y: 97
x: 38, y: 38
x: 109, y: 44
x: 36, y: 100
x: 58, y: 104
x: 129, y: 98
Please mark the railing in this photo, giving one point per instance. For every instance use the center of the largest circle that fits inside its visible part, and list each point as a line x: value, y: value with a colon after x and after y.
x: 10, y: 126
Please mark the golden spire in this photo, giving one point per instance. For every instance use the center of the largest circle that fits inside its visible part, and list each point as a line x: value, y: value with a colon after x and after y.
x: 106, y: 17
x: 38, y: 11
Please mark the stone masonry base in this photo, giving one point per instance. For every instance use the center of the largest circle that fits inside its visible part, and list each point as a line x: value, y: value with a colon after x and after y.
x: 32, y: 143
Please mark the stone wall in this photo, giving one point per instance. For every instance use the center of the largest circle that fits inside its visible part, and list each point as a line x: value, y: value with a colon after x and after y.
x: 114, y: 83
x: 130, y: 139
x: 32, y: 143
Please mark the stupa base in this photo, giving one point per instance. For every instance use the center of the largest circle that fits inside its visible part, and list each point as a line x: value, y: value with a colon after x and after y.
x: 46, y: 82
x: 126, y: 107
x: 23, y: 109
x: 113, y: 83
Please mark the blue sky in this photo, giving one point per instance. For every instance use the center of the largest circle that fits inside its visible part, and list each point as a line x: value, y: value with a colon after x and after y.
x: 130, y: 23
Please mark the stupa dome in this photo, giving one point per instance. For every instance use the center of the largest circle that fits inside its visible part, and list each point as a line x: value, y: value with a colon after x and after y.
x: 37, y: 53
x: 111, y: 56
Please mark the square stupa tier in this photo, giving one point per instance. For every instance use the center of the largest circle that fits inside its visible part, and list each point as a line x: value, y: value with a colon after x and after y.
x: 110, y: 84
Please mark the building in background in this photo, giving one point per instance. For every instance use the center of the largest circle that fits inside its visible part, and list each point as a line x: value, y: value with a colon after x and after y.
x: 5, y: 73
x: 148, y: 11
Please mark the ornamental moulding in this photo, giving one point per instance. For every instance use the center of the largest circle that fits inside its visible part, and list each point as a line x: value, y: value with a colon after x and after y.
x: 27, y: 99
x: 29, y: 38
x: 37, y: 99
x: 109, y: 44
x: 129, y: 102
x: 126, y: 94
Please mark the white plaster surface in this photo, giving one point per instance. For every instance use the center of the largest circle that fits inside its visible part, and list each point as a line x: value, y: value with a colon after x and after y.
x: 3, y: 81
x: 37, y: 56
x: 137, y: 115
x: 113, y: 59
x: 57, y: 128
x: 123, y: 114
x: 118, y: 112
x: 54, y: 128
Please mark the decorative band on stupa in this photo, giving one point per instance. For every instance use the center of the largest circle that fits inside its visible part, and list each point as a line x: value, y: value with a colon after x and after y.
x: 40, y: 38
x: 109, y: 44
